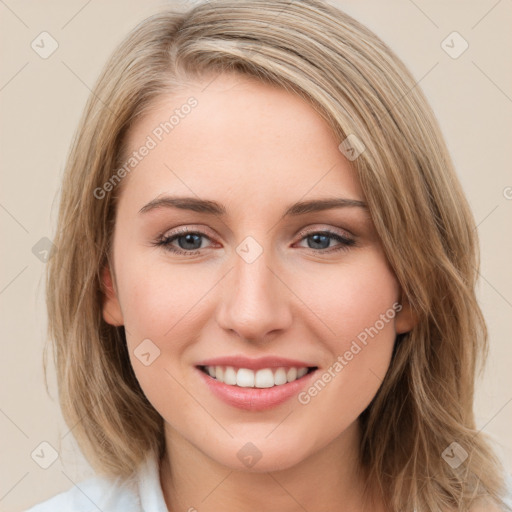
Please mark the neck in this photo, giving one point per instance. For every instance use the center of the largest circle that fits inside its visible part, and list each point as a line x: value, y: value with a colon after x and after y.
x: 330, y: 479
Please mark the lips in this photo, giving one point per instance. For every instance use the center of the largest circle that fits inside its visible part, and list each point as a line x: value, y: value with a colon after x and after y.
x: 256, y: 364
x: 255, y: 384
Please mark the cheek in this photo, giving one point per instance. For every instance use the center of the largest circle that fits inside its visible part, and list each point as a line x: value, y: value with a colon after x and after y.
x: 157, y: 297
x: 351, y: 297
x: 358, y: 304
x: 157, y: 303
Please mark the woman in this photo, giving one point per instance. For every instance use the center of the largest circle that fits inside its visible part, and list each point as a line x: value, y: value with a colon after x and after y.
x: 263, y: 296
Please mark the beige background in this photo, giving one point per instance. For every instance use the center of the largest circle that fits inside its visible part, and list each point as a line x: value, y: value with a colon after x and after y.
x: 42, y: 99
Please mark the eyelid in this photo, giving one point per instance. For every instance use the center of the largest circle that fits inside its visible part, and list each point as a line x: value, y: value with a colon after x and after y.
x: 189, y: 228
x: 318, y: 227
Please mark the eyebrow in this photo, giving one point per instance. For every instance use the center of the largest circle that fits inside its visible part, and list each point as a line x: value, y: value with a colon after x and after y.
x: 214, y: 208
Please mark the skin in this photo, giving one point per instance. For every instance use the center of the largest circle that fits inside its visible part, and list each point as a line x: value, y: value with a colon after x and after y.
x: 256, y: 149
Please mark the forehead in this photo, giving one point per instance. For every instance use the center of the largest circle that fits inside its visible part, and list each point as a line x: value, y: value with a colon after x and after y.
x: 241, y: 138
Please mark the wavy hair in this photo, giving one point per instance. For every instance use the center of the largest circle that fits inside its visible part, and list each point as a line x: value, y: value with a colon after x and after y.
x: 359, y: 86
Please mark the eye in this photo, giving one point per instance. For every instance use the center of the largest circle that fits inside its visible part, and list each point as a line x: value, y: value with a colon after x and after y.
x: 190, y: 242
x: 321, y: 239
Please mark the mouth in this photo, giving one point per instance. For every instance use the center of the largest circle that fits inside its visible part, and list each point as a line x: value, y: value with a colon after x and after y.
x: 262, y: 378
x: 255, y: 384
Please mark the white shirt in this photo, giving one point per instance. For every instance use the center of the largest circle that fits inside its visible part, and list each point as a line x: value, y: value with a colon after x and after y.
x: 142, y: 493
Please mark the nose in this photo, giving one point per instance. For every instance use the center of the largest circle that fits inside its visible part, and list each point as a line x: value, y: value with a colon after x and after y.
x: 255, y: 300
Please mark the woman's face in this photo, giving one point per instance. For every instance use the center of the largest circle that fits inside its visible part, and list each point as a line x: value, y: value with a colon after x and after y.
x: 263, y: 278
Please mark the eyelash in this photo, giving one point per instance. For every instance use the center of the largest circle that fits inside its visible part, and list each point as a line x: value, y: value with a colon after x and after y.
x: 165, y: 242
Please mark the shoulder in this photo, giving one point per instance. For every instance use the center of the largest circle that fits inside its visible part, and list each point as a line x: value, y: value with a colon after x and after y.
x: 96, y: 493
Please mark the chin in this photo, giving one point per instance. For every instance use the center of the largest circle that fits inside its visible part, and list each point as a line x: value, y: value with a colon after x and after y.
x: 262, y: 455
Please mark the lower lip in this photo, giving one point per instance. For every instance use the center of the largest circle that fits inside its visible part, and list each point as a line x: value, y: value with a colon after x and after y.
x: 255, y: 399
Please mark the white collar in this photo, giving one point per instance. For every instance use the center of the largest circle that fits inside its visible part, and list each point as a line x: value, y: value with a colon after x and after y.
x: 150, y: 489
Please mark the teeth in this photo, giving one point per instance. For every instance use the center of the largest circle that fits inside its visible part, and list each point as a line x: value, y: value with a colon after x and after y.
x: 245, y: 378
x: 264, y: 378
x: 280, y: 377
x: 230, y: 376
x: 291, y: 374
x: 301, y: 372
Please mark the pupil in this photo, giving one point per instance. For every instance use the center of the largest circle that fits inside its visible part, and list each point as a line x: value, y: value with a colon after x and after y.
x: 188, y: 240
x: 316, y: 240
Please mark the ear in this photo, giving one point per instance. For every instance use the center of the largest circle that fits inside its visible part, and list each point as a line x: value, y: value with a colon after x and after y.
x: 112, y: 313
x: 406, y: 319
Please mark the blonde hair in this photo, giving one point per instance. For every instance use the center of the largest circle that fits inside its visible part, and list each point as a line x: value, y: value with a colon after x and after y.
x: 357, y: 84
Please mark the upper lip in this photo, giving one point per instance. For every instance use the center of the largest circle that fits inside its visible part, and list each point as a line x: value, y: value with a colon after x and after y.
x: 255, y: 364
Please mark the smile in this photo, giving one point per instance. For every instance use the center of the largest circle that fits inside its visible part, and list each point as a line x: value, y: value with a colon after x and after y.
x: 262, y: 378
x: 256, y: 389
